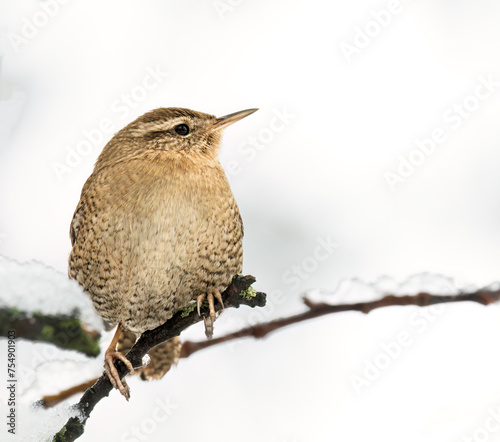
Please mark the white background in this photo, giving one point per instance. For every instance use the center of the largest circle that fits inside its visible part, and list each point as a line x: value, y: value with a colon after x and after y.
x: 320, y: 176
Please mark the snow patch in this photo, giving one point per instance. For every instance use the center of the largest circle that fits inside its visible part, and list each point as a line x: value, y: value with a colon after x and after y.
x: 42, y: 424
x: 34, y: 287
x: 356, y: 290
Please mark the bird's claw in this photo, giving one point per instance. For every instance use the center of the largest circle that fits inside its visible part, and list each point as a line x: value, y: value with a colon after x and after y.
x: 209, y: 326
x: 109, y: 365
x: 209, y: 320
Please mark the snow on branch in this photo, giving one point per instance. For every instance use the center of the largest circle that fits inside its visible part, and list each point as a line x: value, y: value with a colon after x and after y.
x: 42, y: 304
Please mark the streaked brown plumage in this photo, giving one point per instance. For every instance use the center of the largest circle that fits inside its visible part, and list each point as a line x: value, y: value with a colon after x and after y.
x: 157, y: 226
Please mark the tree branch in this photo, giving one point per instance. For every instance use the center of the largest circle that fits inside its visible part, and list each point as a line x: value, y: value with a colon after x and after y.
x: 315, y: 310
x: 238, y: 293
x: 63, y: 331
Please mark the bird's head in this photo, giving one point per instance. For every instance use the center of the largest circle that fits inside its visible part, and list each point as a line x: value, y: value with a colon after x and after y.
x: 171, y: 129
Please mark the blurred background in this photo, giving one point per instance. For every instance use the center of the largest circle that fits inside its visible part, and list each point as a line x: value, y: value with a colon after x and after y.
x: 376, y: 143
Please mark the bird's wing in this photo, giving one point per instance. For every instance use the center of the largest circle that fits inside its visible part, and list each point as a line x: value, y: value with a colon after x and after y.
x: 75, y: 224
x: 78, y: 215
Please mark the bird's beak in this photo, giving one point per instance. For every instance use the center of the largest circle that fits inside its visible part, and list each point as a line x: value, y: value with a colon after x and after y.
x: 227, y: 120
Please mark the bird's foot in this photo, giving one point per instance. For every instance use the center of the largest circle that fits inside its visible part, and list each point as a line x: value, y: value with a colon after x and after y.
x: 210, y: 319
x: 110, y: 356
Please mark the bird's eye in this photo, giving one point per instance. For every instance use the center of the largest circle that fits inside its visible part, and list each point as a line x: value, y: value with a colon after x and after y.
x: 182, y: 129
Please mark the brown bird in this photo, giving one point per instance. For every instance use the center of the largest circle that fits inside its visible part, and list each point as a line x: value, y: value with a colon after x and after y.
x: 157, y: 226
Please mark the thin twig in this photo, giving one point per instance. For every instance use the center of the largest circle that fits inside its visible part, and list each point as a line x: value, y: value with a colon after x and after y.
x: 49, y: 401
x: 315, y: 310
